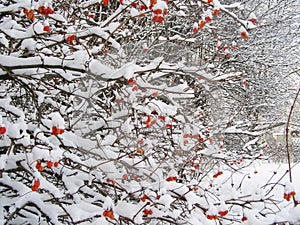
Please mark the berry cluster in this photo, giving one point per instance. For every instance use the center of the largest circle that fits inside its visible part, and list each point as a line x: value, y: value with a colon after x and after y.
x: 148, y: 212
x: 174, y: 178
x: 287, y: 196
x: 109, y: 214
x: 56, y: 131
x: 70, y: 39
x: 217, y: 174
x: 36, y: 185
x: 212, y: 217
x: 49, y: 165
x: 45, y: 10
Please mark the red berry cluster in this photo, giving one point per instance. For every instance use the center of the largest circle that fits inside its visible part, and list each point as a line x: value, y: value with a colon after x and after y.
x: 56, y: 131
x: 162, y: 118
x: 217, y: 174
x: 49, y: 164
x: 45, y: 10
x: 169, y: 126
x: 36, y: 185
x: 29, y: 13
x: 174, y: 178
x: 39, y: 166
x: 148, y: 212
x: 287, y: 196
x: 132, y: 81
x: 223, y: 213
x: 212, y: 217
x: 144, y: 198
x: 108, y: 180
x: 109, y: 214
x: 159, y: 11
x: 70, y: 39
x: 149, y: 122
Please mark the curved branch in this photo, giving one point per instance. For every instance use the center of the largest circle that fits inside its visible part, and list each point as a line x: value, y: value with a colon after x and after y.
x: 288, y: 151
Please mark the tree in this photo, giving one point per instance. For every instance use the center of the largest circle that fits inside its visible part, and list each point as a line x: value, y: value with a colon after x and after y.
x: 109, y: 114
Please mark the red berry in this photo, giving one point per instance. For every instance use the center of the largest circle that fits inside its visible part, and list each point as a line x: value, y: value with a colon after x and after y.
x: 34, y: 188
x: 70, y: 39
x: 216, y: 12
x: 55, y: 164
x: 169, y: 126
x: 148, y: 211
x: 223, y: 213
x: 186, y: 136
x: 163, y: 118
x: 171, y: 179
x: 217, y: 174
x: 41, y: 9
x: 38, y: 164
x: 244, y: 218
x: 46, y: 28
x: 125, y: 176
x: 139, y: 151
x: 144, y: 198
x: 131, y: 81
x: 56, y: 131
x: 2, y: 130
x: 212, y: 217
x: 35, y: 185
x: 157, y: 11
x: 208, y: 19
x: 135, y: 88
x: 202, y: 24
x: 143, y: 7
x: 109, y: 214
x: 244, y: 35
x: 141, y: 141
x: 105, y: 2
x: 49, y: 164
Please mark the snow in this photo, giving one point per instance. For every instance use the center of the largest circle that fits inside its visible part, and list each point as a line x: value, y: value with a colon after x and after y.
x: 134, y: 12
x: 127, y: 71
x: 57, y: 120
x: 103, y: 34
x: 82, y: 210
x: 58, y: 18
x: 97, y: 68
x: 127, y: 127
x: 108, y: 140
x: 235, y: 130
x: 97, y: 167
x: 128, y: 210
